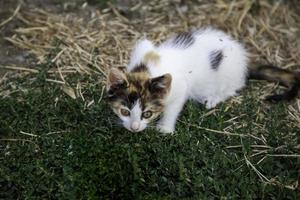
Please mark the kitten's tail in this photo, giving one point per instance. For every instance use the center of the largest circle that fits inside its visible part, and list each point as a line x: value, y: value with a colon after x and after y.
x: 287, y: 78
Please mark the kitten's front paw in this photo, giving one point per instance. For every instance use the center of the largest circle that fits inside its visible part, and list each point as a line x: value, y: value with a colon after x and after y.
x: 211, y: 104
x: 165, y: 129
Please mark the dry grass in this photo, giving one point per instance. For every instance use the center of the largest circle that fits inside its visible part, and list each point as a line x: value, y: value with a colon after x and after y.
x: 93, y: 40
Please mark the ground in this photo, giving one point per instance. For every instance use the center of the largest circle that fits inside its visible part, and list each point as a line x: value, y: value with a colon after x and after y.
x: 60, y: 140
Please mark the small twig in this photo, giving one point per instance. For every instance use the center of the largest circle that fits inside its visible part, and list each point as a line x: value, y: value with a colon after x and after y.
x: 78, y: 88
x: 102, y: 93
x: 20, y: 68
x: 90, y: 103
x: 55, y: 81
x: 3, y: 77
x: 284, y: 155
x: 261, y: 176
x: 254, y: 145
x: 54, y: 132
x: 30, y: 134
x: 263, y: 158
x: 215, y: 131
x: 58, y: 55
x: 246, y: 10
x: 11, y: 17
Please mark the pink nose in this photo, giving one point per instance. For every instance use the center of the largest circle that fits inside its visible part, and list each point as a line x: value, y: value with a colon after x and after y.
x: 135, y: 126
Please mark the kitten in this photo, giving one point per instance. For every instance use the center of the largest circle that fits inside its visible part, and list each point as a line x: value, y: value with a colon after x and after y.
x: 206, y: 65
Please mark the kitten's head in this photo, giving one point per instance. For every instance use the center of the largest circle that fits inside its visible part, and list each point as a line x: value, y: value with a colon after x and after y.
x: 136, y: 98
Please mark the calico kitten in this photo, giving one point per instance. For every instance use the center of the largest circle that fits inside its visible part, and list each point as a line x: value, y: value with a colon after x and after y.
x: 206, y: 65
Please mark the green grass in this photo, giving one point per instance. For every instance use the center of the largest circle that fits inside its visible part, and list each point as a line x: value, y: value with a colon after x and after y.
x: 78, y: 152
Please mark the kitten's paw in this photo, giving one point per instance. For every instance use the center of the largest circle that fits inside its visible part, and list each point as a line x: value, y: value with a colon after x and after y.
x: 211, y: 104
x: 165, y: 129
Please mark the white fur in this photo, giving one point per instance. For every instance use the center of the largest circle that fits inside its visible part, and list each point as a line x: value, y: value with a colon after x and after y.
x: 191, y: 71
x: 141, y: 48
x: 134, y: 122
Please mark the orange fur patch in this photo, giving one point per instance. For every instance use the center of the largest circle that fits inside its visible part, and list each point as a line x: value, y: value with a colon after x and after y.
x: 151, y: 57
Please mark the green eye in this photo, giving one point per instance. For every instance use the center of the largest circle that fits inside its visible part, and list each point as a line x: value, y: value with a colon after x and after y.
x: 147, y: 114
x: 124, y: 112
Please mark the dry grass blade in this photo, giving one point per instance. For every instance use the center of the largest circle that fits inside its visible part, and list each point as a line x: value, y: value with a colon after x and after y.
x: 214, y: 131
x: 11, y: 17
x: 261, y: 176
x: 20, y: 69
x: 29, y: 134
x: 69, y: 91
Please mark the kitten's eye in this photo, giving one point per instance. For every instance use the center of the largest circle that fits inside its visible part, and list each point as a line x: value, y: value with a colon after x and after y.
x: 125, y: 112
x: 147, y: 114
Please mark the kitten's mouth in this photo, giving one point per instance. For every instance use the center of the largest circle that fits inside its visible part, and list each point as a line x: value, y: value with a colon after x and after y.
x: 135, y: 130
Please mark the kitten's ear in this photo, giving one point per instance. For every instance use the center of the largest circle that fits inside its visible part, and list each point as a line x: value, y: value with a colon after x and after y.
x: 160, y: 85
x: 116, y: 79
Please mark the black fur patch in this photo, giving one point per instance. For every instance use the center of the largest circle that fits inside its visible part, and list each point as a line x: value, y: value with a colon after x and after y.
x: 140, y: 68
x: 183, y: 40
x: 216, y: 58
x: 132, y: 98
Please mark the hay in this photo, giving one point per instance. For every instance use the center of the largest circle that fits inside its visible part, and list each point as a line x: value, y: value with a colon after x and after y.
x: 94, y: 40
